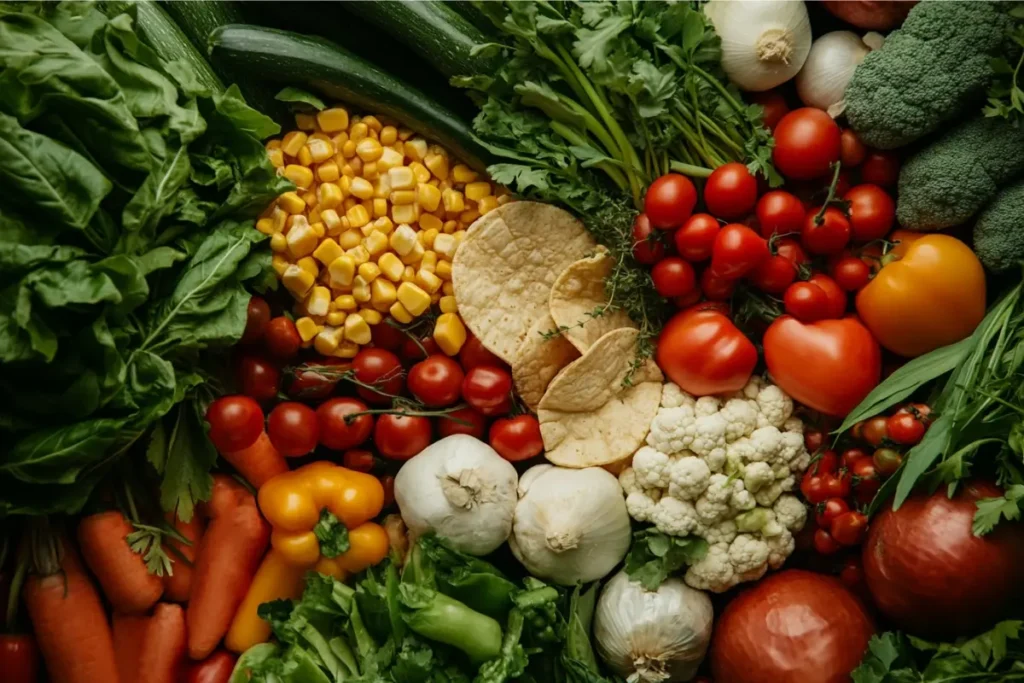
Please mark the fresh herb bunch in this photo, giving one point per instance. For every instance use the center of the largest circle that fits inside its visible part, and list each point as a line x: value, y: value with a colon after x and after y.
x: 1005, y: 95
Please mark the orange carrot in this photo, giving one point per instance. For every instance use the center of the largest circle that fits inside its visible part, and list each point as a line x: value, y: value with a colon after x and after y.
x: 162, y: 656
x: 70, y: 624
x: 227, y: 560
x: 178, y: 584
x: 226, y: 496
x: 258, y: 462
x: 129, y: 631
x: 121, y: 572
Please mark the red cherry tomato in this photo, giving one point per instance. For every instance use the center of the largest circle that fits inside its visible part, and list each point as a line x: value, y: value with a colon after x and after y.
x: 825, y: 512
x: 216, y: 668
x: 381, y: 370
x: 829, y: 236
x: 648, y: 248
x: 905, y: 429
x: 474, y: 353
x: 807, y: 143
x: 880, y: 168
x: 813, y: 488
x: 257, y: 315
x: 413, y: 351
x: 338, y: 431
x: 235, y: 423
x: 488, y: 389
x: 673, y: 277
x: 838, y: 485
x: 317, y: 380
x: 774, y: 105
x: 774, y: 275
x: 730, y: 191
x: 886, y: 461
x: 824, y: 543
x: 874, y: 430
x: 358, y: 459
x: 387, y: 337
x: 849, y: 528
x: 388, y: 484
x: 293, y: 428
x: 851, y: 273
x: 704, y: 353
x: 850, y: 456
x: 852, y: 573
x: 714, y: 287
x: 826, y: 463
x: 437, y: 381
x: 866, y: 481
x: 792, y: 250
x: 516, y: 438
x: 872, y: 212
x: 737, y: 251
x: 853, y: 150
x: 670, y: 200
x: 806, y: 302
x: 780, y: 212
x: 281, y: 338
x: 399, y: 436
x: 696, y: 238
x: 813, y: 440
x: 258, y: 377
x: 475, y: 423
x: 836, y: 296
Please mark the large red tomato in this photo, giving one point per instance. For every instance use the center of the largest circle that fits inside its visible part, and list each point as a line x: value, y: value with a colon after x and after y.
x: 829, y: 365
x: 807, y: 143
x: 931, y: 575
x: 704, y: 353
x: 791, y: 627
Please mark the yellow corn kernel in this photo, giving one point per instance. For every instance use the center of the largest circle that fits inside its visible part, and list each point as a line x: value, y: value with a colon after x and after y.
x: 276, y: 157
x: 319, y: 301
x: 447, y: 304
x: 349, y: 239
x: 453, y: 201
x: 338, y: 140
x: 291, y: 202
x: 327, y: 251
x: 369, y: 149
x: 342, y: 270
x: 388, y: 135
x: 429, y: 221
x: 373, y: 123
x: 402, y: 178
x: 307, y: 328
x: 376, y: 243
x: 428, y: 196
x: 309, y: 197
x: 265, y: 225
x: 403, y: 240
x: 428, y: 281
x: 463, y: 174
x: 346, y: 302
x: 438, y: 164
x: 356, y: 329
x: 382, y: 187
x: 318, y: 229
x: 405, y: 213
x: 415, y: 256
x: 477, y: 191
x: 449, y: 333
x: 383, y: 225
x: 412, y: 296
x: 319, y: 135
x: 345, y: 183
x: 332, y: 120
x: 279, y: 263
x: 301, y: 239
x: 329, y: 338
x: 308, y: 263
x: 416, y: 149
x: 320, y: 150
x: 371, y: 316
x: 331, y: 221
x: 359, y: 254
x: 380, y: 208
x: 445, y: 246
x: 272, y: 144
x: 358, y: 131
x: 278, y: 243
x: 348, y: 151
x: 357, y: 216
x: 443, y: 270
x: 435, y: 298
x: 297, y: 280
x: 328, y: 196
x: 399, y: 147
x: 305, y: 121
x: 450, y: 226
x: 467, y: 218
x: 361, y: 290
x: 420, y: 172
x: 346, y: 349
x: 336, y: 318
x: 448, y: 289
x: 459, y: 235
x: 328, y: 172
x: 401, y: 197
x: 391, y: 266
x: 293, y: 142
x: 304, y: 157
x: 370, y: 170
x: 486, y: 205
x: 382, y: 294
x: 315, y: 214
x: 361, y: 188
x: 428, y: 237
x: 389, y: 159
x: 429, y: 261
x: 369, y: 271
x: 399, y: 313
x: 408, y: 274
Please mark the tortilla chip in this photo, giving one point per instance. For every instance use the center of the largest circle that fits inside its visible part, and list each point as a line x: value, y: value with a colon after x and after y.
x: 587, y: 416
x: 578, y: 294
x: 538, y: 360
x: 504, y: 269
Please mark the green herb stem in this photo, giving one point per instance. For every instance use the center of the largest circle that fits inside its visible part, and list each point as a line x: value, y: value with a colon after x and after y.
x: 690, y: 170
x: 575, y: 138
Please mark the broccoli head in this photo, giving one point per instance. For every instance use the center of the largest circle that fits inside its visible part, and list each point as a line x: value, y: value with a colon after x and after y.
x: 999, y: 230
x: 949, y: 181
x: 933, y: 69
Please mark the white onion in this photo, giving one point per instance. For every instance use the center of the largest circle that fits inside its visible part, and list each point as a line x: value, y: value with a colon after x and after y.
x: 830, y: 66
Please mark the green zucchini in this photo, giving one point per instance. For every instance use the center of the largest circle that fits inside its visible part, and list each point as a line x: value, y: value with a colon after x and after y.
x: 328, y: 69
x: 434, y: 30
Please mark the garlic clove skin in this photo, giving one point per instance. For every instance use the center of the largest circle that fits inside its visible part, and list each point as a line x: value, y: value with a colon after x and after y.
x: 834, y: 56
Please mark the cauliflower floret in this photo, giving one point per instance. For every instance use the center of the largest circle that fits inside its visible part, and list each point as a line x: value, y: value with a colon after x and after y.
x: 716, y: 459
x: 791, y: 445
x: 723, y: 532
x: 641, y: 504
x: 672, y: 430
x: 766, y: 442
x: 688, y: 478
x: 793, y: 424
x: 790, y: 512
x: 774, y: 406
x: 753, y: 575
x: 708, y: 434
x: 753, y: 387
x: 740, y: 417
x: 713, y: 505
x: 673, y: 397
x: 779, y: 548
x: 651, y: 468
x: 740, y: 451
x: 674, y: 517
x: 719, y: 488
x: 747, y: 552
x: 707, y: 405
x: 767, y: 496
x: 714, y: 573
x: 772, y: 528
x: 742, y: 499
x: 757, y: 475
x: 627, y: 480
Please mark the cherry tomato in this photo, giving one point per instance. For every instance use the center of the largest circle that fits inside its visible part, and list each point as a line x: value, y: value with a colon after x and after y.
x: 474, y: 353
x: 807, y: 143
x: 381, y: 370
x: 258, y: 377
x: 293, y: 428
x: 488, y: 389
x: 338, y: 431
x: 824, y: 543
x: 852, y: 574
x: 648, y: 248
x: 388, y: 337
x: 806, y: 302
x: 850, y: 456
x: 317, y: 380
x: 388, y: 484
x: 705, y: 353
x: 886, y: 461
x: 836, y: 296
x: 670, y: 200
x: 476, y: 423
x: 774, y: 275
x: 516, y: 438
x: 400, y: 436
x: 281, y: 338
x: 813, y: 488
x: 826, y: 463
x: 737, y: 251
x: 730, y: 191
x: 714, y: 287
x: 216, y: 668
x: 813, y: 440
x: 792, y: 250
x: 880, y: 168
x: 874, y: 430
x: 696, y: 238
x: 865, y: 478
x: 849, y: 528
x: 905, y: 429
x: 853, y: 150
x: 851, y: 273
x: 774, y: 105
x: 673, y: 277
x: 257, y: 315
x: 358, y: 459
x: 413, y: 351
x: 780, y: 212
x: 872, y: 212
x: 829, y: 236
x: 838, y: 485
x: 825, y: 512
x: 235, y: 423
x: 919, y: 410
x: 436, y: 381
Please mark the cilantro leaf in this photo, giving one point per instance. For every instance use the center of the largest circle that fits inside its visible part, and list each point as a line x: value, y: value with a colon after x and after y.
x: 991, y: 511
x: 180, y: 451
x: 332, y: 534
x: 655, y: 556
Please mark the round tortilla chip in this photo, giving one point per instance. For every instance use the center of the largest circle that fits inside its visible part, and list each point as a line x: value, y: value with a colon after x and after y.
x: 538, y: 360
x: 578, y: 293
x: 503, y: 270
x: 588, y: 416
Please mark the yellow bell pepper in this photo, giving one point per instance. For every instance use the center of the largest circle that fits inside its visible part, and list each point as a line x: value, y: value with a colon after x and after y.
x: 276, y: 579
x: 324, y: 510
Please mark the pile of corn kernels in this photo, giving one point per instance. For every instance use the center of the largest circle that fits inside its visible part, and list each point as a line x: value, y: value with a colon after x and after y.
x: 371, y: 229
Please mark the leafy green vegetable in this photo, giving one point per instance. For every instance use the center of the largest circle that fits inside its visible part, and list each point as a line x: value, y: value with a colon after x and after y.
x: 655, y: 556
x: 299, y: 96
x: 180, y: 452
x: 332, y: 534
x: 1005, y: 96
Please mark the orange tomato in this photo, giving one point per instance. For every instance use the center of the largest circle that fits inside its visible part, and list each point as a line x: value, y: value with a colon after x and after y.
x: 932, y: 294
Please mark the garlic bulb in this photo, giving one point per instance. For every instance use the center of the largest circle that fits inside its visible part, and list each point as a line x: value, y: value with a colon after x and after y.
x: 570, y: 525
x: 460, y: 488
x: 764, y: 42
x: 830, y: 66
x: 652, y: 636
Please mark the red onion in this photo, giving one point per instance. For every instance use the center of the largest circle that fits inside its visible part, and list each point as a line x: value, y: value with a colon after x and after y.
x: 792, y: 627
x: 931, y: 575
x: 872, y: 14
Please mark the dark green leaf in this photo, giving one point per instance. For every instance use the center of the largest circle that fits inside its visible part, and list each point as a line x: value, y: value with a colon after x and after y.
x: 655, y: 556
x: 232, y: 105
x: 299, y: 96
x: 332, y: 534
x: 182, y: 454
x: 991, y: 511
x: 155, y: 199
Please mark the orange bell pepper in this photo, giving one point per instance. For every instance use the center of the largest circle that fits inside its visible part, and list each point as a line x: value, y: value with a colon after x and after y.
x: 324, y: 510
x: 929, y: 293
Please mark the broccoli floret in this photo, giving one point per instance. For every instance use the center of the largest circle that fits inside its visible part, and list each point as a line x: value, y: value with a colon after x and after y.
x: 949, y: 181
x: 933, y: 69
x: 999, y: 230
